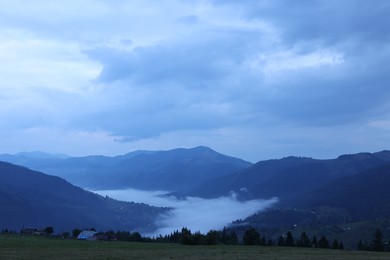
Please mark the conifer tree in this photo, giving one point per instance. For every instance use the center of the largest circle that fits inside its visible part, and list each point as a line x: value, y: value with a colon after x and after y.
x: 251, y: 237
x: 281, y: 241
x: 304, y: 241
x: 377, y: 243
x: 289, y: 239
x: 335, y: 244
x: 360, y: 246
x: 314, y: 242
x: 323, y: 242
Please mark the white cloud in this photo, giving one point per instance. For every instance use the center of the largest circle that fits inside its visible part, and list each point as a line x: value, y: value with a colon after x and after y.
x: 29, y: 63
x: 279, y: 62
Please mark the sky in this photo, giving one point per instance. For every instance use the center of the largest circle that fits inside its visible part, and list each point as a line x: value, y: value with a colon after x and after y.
x: 254, y: 79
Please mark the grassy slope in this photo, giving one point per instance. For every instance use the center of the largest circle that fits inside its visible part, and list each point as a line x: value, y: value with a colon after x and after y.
x: 16, y: 247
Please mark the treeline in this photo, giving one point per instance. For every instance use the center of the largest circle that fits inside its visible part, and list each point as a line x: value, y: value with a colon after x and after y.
x: 250, y: 237
x: 186, y: 237
x: 305, y: 241
x: 376, y: 244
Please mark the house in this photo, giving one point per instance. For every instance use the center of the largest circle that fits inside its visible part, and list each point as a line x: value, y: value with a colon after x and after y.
x: 28, y: 230
x: 87, y: 235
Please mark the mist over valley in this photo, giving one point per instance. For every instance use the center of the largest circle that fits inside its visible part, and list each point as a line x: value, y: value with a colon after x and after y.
x: 197, y: 214
x: 272, y: 195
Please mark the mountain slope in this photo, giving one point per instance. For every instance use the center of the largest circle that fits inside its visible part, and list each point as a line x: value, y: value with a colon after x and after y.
x: 159, y: 170
x: 364, y: 195
x: 30, y: 198
x: 287, y: 177
x: 349, y: 208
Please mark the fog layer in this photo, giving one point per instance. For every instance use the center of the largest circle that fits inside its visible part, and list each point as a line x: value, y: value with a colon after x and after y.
x: 195, y: 213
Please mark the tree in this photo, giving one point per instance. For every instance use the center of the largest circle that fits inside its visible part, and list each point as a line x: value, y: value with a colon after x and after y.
x: 281, y: 241
x: 186, y: 237
x: 323, y: 242
x: 233, y: 238
x: 335, y: 244
x: 314, y: 242
x: 136, y: 237
x: 212, y: 237
x: 377, y: 243
x: 289, y: 239
x: 197, y: 238
x: 304, y: 240
x: 360, y: 246
x: 76, y: 232
x: 229, y: 238
x: 123, y: 235
x: 49, y: 230
x: 251, y: 237
x: 263, y: 241
x: 174, y: 237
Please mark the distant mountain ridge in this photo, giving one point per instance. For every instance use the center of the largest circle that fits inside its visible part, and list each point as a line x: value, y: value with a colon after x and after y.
x: 42, y: 155
x: 287, y: 177
x: 33, y: 199
x: 155, y: 170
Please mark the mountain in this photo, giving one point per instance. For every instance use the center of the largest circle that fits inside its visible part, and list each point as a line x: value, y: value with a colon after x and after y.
x: 41, y: 155
x: 349, y: 208
x: 155, y: 170
x: 287, y: 177
x: 364, y: 195
x: 30, y: 198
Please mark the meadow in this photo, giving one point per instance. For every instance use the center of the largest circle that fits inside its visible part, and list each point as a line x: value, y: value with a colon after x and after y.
x: 35, y: 247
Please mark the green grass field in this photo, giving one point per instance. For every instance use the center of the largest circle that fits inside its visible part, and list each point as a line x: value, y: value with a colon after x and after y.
x: 32, y: 247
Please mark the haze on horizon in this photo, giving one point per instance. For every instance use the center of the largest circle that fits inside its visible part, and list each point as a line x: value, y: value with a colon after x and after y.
x: 251, y: 79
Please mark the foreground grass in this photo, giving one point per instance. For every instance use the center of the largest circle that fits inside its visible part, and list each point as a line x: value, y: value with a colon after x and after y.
x: 29, y: 247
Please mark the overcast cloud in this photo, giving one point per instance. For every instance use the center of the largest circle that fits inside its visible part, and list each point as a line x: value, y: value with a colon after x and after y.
x: 253, y: 79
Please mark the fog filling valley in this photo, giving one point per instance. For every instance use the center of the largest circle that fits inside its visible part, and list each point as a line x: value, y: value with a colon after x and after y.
x: 195, y: 213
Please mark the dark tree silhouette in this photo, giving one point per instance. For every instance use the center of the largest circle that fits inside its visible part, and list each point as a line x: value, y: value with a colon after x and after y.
x: 281, y: 241
x: 186, y: 237
x: 314, y: 242
x: 212, y: 237
x: 76, y: 232
x: 335, y: 244
x: 229, y: 237
x: 49, y: 230
x: 251, y: 237
x: 289, y: 239
x: 377, y: 243
x: 323, y: 242
x: 304, y: 240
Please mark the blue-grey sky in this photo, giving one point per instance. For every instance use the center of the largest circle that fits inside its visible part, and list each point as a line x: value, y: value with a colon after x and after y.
x: 254, y: 79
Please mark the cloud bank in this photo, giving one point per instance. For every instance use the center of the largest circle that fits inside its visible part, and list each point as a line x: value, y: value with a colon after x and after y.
x: 197, y: 214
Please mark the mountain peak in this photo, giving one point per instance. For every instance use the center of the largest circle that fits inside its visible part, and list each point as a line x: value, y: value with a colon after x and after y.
x: 202, y: 148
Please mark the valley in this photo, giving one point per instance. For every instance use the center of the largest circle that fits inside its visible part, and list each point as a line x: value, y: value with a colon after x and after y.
x: 200, y: 189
